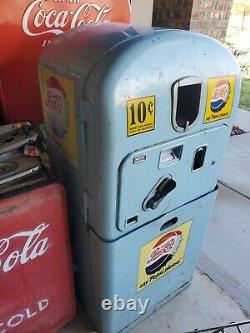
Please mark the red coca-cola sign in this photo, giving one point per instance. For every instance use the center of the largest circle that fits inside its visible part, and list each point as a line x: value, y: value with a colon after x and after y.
x: 36, y: 278
x: 32, y: 246
x: 54, y: 21
x: 25, y: 28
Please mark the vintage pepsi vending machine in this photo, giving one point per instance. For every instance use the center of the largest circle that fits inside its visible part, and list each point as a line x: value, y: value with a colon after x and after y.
x: 137, y: 122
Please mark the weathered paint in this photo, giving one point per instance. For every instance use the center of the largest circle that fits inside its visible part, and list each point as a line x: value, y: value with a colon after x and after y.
x: 36, y: 283
x: 143, y: 161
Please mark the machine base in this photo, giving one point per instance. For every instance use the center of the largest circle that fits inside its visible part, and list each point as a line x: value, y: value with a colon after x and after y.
x: 151, y: 264
x: 156, y: 307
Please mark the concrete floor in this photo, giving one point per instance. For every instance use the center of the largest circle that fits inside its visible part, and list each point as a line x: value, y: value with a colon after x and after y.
x: 188, y: 310
x: 235, y: 173
x: 220, y: 290
x: 225, y: 253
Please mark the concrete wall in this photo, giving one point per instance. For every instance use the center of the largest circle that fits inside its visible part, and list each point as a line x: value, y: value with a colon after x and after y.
x: 209, y: 17
x: 142, y: 12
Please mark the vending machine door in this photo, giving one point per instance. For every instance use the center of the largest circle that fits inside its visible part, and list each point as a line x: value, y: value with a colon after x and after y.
x: 186, y: 95
x: 157, y: 179
x: 154, y: 262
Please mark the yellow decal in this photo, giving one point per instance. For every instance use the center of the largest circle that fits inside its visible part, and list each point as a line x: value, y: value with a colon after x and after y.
x: 220, y: 97
x: 140, y: 115
x: 58, y: 101
x: 162, y: 254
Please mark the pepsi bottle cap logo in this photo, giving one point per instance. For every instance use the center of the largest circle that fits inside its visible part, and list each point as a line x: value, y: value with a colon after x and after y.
x: 220, y: 95
x: 56, y: 101
x: 163, y: 251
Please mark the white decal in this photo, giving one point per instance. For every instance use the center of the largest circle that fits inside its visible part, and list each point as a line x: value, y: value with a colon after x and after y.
x: 17, y: 319
x: 56, y: 101
x: 53, y: 21
x: 120, y: 304
x: 33, y: 247
x: 166, y: 246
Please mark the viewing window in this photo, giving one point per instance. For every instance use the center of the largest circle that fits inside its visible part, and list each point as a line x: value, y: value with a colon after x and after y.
x: 186, y: 96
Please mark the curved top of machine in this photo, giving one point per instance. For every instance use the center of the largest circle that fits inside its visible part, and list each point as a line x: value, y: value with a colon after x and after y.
x: 174, y: 80
x: 82, y: 47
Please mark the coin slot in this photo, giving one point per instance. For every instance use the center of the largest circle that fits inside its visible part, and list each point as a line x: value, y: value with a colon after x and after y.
x: 199, y: 158
x: 170, y: 156
x: 169, y: 223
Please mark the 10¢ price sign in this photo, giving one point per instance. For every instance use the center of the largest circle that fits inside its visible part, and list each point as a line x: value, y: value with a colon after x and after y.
x: 140, y: 115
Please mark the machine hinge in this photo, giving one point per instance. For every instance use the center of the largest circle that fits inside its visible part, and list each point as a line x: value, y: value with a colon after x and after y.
x: 83, y: 132
x: 84, y: 122
x: 86, y: 111
x: 85, y: 207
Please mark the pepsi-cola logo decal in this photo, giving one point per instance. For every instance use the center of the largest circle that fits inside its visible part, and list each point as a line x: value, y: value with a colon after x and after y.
x: 56, y: 101
x: 59, y: 109
x: 162, y: 255
x: 220, y: 98
x: 220, y: 95
x: 163, y: 251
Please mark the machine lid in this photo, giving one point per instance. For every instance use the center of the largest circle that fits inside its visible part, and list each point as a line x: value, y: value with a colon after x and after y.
x: 15, y: 165
x: 83, y: 47
x: 16, y: 135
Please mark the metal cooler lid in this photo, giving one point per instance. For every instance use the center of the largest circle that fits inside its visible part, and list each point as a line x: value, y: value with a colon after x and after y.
x: 18, y: 172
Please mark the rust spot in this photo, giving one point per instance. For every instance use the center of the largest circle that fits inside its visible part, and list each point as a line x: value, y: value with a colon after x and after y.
x: 9, y: 210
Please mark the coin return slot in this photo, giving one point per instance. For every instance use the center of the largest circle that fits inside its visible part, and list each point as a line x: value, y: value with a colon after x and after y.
x: 199, y: 158
x: 131, y: 221
x: 169, y: 223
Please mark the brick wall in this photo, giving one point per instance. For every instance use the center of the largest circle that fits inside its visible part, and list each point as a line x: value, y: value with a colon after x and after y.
x: 172, y: 13
x: 209, y: 17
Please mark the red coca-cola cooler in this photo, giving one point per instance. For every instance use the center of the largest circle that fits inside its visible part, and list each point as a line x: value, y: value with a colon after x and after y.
x: 26, y: 27
x: 36, y: 279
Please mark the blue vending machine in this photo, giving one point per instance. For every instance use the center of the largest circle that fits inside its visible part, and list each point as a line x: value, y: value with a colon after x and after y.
x: 138, y: 121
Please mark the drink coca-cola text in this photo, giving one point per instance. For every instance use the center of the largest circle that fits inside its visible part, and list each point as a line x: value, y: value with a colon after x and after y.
x: 37, y: 20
